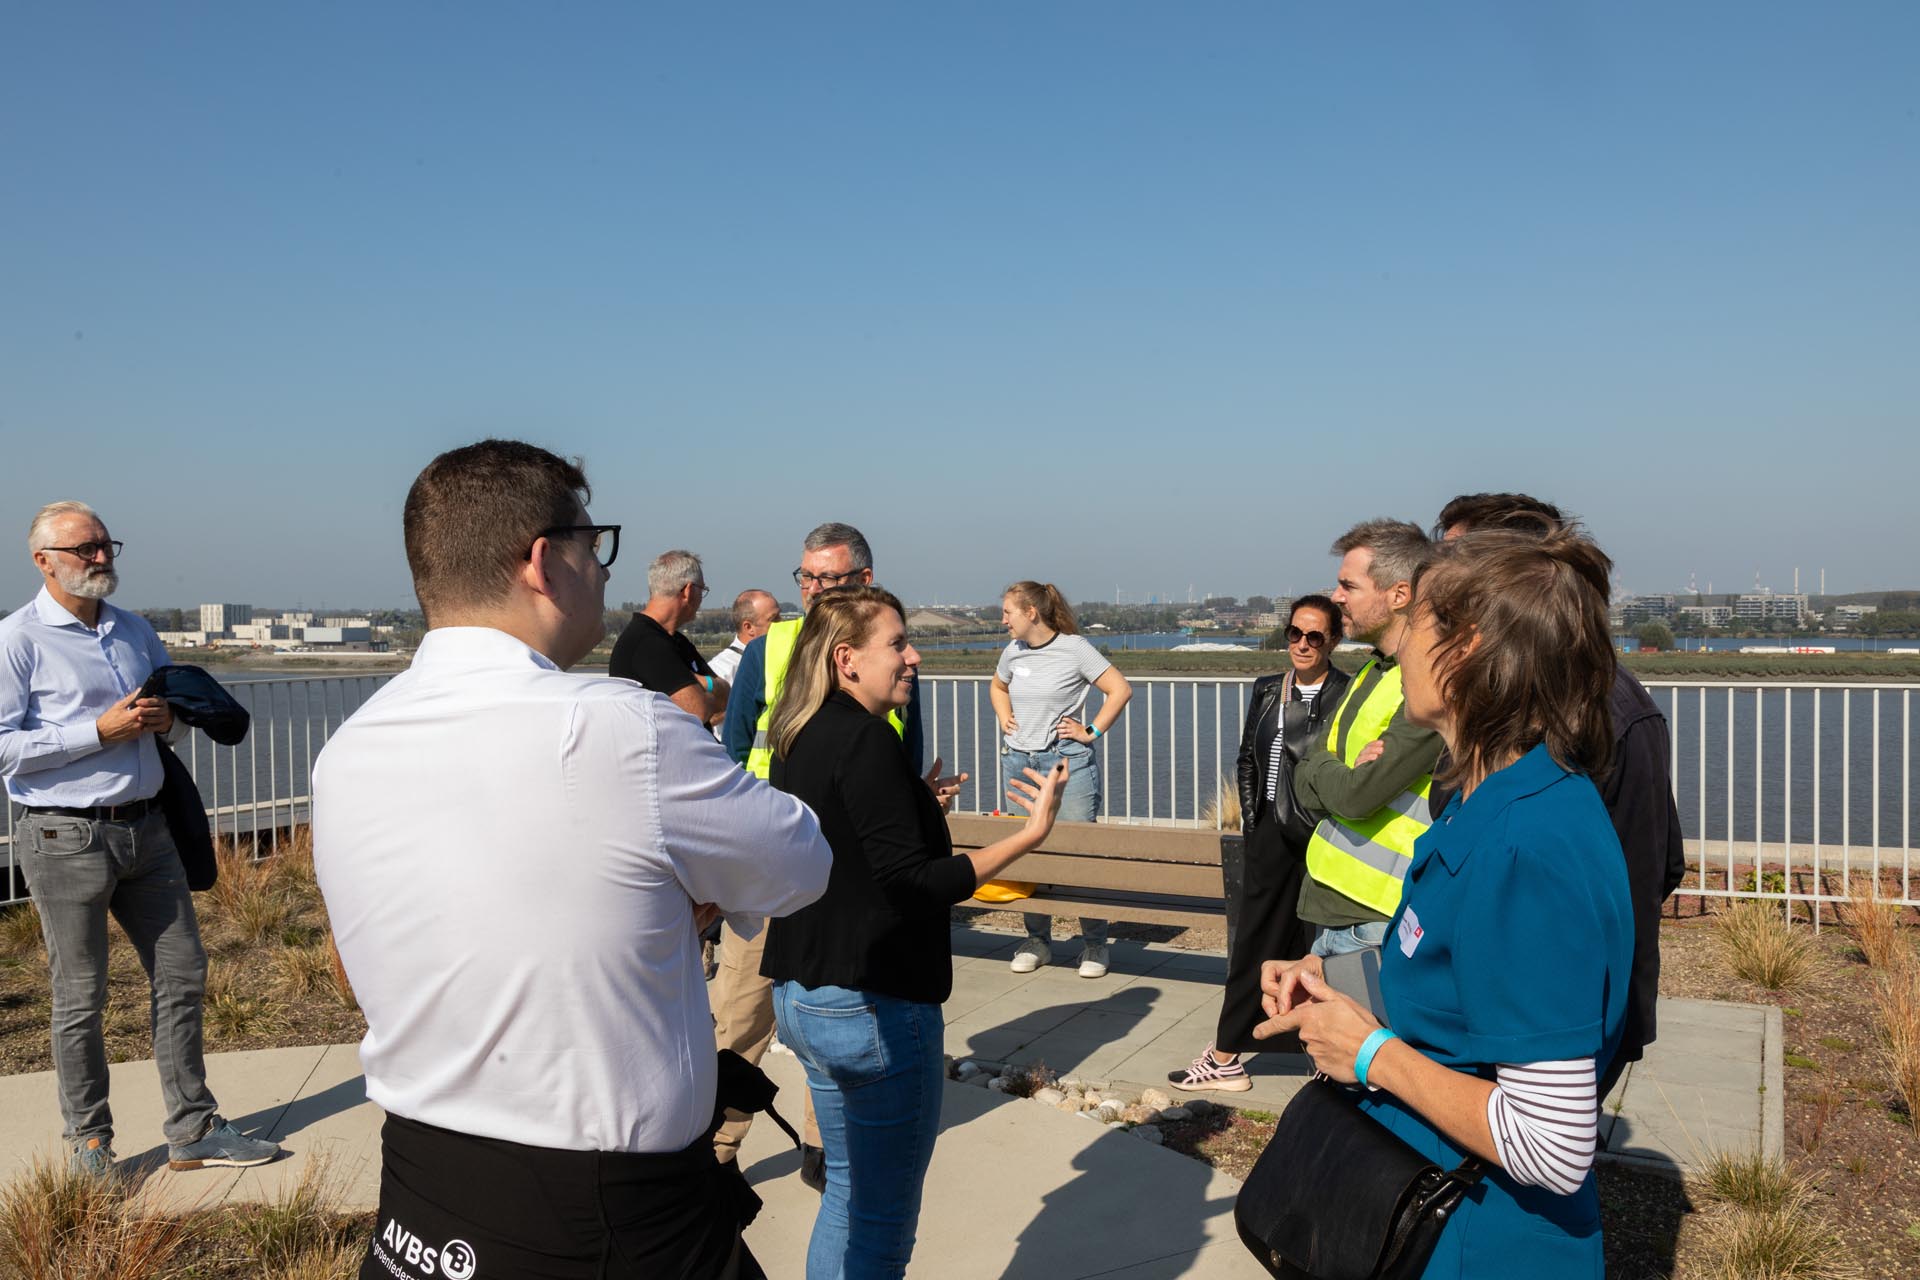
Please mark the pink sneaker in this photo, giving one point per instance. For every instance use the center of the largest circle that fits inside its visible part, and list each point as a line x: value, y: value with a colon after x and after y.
x: 1208, y: 1072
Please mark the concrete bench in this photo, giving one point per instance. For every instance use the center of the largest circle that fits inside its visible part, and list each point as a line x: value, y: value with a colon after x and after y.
x: 1111, y: 871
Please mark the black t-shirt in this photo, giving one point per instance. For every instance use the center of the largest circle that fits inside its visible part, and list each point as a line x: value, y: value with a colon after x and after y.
x: 658, y: 661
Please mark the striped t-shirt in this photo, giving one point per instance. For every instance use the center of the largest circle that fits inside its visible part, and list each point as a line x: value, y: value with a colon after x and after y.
x: 1307, y: 692
x: 1046, y: 683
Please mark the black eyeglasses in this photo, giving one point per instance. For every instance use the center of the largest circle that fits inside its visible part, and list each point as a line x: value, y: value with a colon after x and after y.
x: 1314, y: 639
x: 88, y: 550
x: 803, y: 578
x: 605, y: 537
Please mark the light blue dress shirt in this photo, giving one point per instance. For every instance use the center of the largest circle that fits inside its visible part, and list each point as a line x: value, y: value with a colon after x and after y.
x: 57, y: 676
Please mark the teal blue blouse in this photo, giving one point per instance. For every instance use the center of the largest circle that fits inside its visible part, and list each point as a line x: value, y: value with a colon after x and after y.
x: 1513, y: 944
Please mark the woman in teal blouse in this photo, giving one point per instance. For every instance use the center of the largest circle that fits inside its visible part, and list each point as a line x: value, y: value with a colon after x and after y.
x: 1505, y: 969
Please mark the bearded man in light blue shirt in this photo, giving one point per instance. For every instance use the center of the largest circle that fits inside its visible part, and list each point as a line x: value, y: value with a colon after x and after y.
x: 77, y: 750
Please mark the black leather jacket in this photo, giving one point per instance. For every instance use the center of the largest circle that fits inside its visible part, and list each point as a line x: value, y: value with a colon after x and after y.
x: 1303, y: 722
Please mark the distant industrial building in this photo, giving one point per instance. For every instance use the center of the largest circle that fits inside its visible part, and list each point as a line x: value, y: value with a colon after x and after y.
x: 1631, y: 611
x: 221, y: 619
x: 1706, y: 615
x: 1764, y: 605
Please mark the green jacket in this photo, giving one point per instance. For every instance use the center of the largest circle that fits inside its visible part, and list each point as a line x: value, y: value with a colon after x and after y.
x: 1323, y: 784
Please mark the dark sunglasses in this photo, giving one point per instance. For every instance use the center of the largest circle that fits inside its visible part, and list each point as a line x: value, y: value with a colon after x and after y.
x: 1314, y: 639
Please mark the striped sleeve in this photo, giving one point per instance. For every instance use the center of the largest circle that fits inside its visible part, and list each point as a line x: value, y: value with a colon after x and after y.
x: 1545, y: 1118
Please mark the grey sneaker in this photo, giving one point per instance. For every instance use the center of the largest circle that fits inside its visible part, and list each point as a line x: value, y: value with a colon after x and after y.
x: 222, y: 1145
x: 1093, y: 960
x: 93, y: 1158
x: 1030, y: 955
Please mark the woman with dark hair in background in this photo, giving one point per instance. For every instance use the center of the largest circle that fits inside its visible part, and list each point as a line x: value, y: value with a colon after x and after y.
x: 859, y: 976
x: 1505, y: 970
x: 1039, y: 694
x: 1284, y: 716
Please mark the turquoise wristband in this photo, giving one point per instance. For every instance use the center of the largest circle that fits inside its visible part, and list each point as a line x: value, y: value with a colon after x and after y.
x: 1094, y: 729
x: 1368, y: 1047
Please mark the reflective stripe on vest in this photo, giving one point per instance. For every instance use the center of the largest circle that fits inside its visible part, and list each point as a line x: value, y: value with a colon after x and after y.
x: 1366, y: 859
x: 778, y: 656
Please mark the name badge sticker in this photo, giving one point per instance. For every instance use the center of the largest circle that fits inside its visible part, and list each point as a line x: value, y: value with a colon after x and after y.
x: 1410, y: 932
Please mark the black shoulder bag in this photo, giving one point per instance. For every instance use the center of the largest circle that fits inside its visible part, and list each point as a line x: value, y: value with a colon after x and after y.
x: 1336, y: 1196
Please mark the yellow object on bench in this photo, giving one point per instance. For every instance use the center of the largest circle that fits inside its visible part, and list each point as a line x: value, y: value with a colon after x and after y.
x: 1004, y: 891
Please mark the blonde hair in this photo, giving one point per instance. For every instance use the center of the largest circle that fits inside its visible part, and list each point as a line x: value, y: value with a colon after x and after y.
x: 843, y: 615
x: 1045, y: 599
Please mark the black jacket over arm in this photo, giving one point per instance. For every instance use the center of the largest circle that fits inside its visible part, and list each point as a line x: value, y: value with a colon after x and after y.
x: 882, y: 924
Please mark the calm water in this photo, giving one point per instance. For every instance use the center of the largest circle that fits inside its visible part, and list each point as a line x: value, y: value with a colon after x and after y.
x: 1787, y: 764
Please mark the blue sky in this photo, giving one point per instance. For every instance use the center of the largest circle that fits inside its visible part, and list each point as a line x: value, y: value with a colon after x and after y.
x: 1127, y: 296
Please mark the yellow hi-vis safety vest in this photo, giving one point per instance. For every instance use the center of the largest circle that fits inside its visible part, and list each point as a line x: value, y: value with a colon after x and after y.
x: 781, y: 637
x: 1367, y: 858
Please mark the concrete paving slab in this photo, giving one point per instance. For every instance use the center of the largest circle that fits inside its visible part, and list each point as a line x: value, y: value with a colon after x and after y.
x: 330, y: 1128
x: 252, y: 1087
x: 1021, y: 1191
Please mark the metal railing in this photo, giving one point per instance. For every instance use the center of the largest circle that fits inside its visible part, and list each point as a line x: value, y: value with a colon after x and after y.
x: 1798, y: 793
x: 262, y: 785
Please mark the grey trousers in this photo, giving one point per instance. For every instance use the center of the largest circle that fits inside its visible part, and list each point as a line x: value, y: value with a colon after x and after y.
x: 79, y: 870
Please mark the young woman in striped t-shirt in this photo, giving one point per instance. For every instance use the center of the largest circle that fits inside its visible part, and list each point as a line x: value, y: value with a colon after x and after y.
x: 1039, y: 693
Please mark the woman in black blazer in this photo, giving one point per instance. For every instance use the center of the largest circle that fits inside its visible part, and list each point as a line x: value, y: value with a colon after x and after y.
x: 859, y: 976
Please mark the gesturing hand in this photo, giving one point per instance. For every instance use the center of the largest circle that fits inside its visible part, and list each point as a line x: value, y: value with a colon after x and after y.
x: 944, y: 789
x: 1040, y: 795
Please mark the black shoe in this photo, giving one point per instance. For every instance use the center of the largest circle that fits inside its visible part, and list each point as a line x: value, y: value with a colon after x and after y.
x: 813, y: 1167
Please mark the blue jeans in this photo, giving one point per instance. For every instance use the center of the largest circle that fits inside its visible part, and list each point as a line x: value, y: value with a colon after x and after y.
x: 79, y: 872
x: 874, y: 1069
x: 1355, y: 937
x: 1080, y: 803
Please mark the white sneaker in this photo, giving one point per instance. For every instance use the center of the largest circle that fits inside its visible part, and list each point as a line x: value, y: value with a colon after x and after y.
x: 1030, y: 955
x: 1093, y: 961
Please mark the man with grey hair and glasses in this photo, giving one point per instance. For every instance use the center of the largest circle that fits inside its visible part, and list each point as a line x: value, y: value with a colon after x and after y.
x: 77, y: 749
x: 653, y: 652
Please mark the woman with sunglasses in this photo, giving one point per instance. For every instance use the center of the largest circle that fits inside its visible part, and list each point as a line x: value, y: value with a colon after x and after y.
x: 1283, y: 716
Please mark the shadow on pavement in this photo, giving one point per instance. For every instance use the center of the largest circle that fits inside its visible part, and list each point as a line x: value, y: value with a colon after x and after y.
x: 1642, y: 1206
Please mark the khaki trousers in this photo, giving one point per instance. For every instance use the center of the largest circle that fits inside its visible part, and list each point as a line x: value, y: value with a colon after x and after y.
x: 742, y: 1003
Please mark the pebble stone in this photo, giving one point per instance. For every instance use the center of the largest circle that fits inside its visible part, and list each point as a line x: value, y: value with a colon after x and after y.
x: 1173, y: 1115
x: 998, y: 1084
x: 1158, y: 1099
x: 1149, y: 1134
x: 967, y: 1070
x: 1198, y: 1107
x: 1052, y: 1097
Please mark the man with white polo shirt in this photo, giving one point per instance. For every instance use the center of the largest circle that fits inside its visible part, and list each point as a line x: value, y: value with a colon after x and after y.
x: 516, y: 862
x: 77, y: 749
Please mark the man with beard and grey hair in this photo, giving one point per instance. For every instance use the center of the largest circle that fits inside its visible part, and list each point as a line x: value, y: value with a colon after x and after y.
x: 77, y: 751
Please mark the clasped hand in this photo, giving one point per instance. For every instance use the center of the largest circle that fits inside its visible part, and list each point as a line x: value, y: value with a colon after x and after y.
x: 1332, y: 1026
x: 132, y: 716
